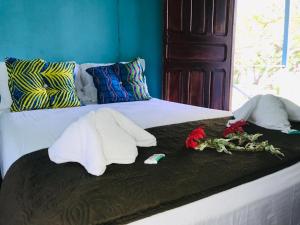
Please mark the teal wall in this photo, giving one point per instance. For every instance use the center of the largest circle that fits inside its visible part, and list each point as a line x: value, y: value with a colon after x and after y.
x: 85, y: 31
x: 141, y: 26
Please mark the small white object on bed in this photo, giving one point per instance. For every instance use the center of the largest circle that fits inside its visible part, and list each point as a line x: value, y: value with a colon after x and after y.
x: 100, y: 138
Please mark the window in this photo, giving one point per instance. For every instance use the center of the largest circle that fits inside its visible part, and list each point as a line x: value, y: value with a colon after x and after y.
x: 267, y: 49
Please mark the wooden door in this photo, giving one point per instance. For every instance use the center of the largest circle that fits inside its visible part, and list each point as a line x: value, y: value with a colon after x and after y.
x: 198, y: 52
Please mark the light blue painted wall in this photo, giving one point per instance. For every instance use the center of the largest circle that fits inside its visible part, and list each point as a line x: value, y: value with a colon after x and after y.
x: 141, y: 27
x: 81, y: 30
x: 85, y: 31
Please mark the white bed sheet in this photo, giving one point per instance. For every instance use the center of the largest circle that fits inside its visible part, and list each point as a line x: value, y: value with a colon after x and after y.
x: 270, y: 200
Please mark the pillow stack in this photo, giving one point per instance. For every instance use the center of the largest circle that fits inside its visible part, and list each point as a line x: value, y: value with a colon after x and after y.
x: 36, y: 84
x: 120, y: 82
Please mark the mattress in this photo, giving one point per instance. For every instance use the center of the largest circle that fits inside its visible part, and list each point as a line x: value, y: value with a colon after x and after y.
x: 273, y: 199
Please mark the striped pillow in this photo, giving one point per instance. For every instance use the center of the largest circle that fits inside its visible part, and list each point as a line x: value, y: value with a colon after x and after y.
x: 59, y: 78
x: 134, y: 80
x: 108, y: 84
x: 26, y: 85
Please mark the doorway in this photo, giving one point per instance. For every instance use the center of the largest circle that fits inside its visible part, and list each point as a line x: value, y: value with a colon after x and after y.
x: 267, y: 50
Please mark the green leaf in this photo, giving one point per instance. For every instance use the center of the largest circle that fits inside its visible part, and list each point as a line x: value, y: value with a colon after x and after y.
x: 246, y: 143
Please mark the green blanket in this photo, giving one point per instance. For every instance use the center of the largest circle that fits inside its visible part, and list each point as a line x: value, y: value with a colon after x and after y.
x: 37, y: 191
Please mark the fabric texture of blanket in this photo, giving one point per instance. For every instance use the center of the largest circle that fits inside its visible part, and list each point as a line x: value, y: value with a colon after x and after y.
x: 268, y: 111
x: 36, y: 191
x: 100, y: 138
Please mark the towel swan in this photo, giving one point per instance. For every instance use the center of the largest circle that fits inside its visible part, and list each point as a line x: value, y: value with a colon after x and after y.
x: 270, y: 112
x: 100, y: 138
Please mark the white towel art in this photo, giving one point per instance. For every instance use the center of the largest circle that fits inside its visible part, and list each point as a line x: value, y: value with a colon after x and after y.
x: 100, y: 138
x: 268, y: 111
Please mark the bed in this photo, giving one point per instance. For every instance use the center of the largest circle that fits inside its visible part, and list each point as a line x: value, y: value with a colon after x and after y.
x: 274, y: 198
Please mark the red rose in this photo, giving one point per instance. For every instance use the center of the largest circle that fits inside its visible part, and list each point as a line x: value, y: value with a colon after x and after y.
x: 191, y: 143
x: 194, y: 136
x: 236, y: 127
x: 228, y: 131
x: 238, y: 124
x: 198, y: 132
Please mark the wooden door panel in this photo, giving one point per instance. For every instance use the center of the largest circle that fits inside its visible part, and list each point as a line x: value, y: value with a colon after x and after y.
x: 196, y: 88
x: 198, y: 16
x: 175, y: 16
x: 173, y: 84
x: 217, y: 100
x: 183, y: 52
x: 198, y: 43
x: 220, y: 17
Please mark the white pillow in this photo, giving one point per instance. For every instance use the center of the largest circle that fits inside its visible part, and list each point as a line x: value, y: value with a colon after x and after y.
x: 78, y: 83
x: 88, y: 87
x: 270, y: 113
x: 6, y: 99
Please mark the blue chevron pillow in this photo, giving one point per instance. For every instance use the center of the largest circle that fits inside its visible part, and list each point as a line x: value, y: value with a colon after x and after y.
x: 134, y: 80
x: 59, y: 78
x: 108, y: 84
x: 26, y: 85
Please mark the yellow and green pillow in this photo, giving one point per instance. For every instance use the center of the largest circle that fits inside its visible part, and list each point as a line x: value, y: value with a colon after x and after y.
x: 36, y: 84
x: 26, y: 85
x: 60, y: 85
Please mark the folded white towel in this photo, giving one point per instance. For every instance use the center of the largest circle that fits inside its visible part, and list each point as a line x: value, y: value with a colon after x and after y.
x: 268, y: 111
x: 80, y: 143
x: 292, y: 109
x: 120, y: 136
x: 100, y: 138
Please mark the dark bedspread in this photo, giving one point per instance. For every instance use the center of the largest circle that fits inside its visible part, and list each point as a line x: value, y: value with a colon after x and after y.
x: 36, y: 191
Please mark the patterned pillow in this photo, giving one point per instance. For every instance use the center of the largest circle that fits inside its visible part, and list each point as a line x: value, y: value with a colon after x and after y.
x: 59, y: 78
x: 108, y: 84
x: 134, y: 80
x: 26, y: 85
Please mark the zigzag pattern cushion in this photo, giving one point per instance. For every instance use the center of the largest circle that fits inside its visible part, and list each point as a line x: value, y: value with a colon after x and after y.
x: 26, y: 85
x: 59, y: 78
x: 108, y: 84
x: 134, y: 80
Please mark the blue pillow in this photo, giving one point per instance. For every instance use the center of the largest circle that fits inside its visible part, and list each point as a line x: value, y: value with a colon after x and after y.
x: 108, y: 84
